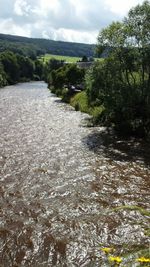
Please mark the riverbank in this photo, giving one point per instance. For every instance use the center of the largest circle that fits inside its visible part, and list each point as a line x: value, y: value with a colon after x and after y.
x: 79, y: 101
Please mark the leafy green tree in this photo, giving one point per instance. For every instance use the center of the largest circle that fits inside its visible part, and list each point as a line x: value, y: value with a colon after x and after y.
x: 52, y: 64
x: 122, y: 82
x: 67, y: 75
x: 58, y: 79
x: 39, y: 69
x: 74, y: 75
x: 10, y: 65
x: 26, y: 67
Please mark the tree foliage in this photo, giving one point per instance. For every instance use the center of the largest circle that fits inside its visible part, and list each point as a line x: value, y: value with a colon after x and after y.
x: 26, y: 67
x: 67, y: 75
x: 10, y: 65
x: 16, y: 68
x: 122, y: 82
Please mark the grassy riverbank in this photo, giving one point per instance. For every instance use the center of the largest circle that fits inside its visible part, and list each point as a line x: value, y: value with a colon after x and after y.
x: 80, y: 103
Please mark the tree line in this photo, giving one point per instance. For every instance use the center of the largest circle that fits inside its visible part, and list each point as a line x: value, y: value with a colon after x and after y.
x: 17, y: 68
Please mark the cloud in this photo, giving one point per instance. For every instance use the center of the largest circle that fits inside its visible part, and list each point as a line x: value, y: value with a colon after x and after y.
x: 70, y: 20
x: 8, y: 26
x: 121, y: 8
x: 21, y: 8
x: 73, y: 35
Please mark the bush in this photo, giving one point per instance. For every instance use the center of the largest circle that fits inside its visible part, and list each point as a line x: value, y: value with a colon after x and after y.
x: 96, y: 113
x: 80, y: 102
x: 65, y: 95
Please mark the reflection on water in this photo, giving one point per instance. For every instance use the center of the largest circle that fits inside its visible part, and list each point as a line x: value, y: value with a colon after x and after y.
x: 61, y: 184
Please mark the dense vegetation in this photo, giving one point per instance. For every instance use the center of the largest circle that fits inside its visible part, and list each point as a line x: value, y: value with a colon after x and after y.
x: 118, y: 87
x: 33, y: 47
x: 67, y: 81
x: 16, y: 68
x: 121, y: 83
x: 61, y: 77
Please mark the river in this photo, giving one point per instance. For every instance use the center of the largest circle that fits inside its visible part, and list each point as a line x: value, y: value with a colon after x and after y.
x: 66, y: 190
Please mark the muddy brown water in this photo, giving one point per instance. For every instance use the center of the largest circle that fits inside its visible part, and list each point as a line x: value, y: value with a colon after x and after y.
x: 61, y: 183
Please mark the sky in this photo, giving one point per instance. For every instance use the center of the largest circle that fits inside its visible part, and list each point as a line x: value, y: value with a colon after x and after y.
x: 66, y: 20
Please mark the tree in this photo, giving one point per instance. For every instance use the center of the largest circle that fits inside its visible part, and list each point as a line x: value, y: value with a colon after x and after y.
x: 122, y: 82
x: 74, y: 75
x: 26, y: 67
x: 39, y: 69
x: 52, y: 64
x: 10, y: 65
x: 84, y: 59
x: 58, y: 79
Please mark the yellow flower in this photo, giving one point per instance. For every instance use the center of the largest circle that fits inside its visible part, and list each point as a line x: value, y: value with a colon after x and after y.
x: 117, y: 260
x: 107, y: 250
x: 143, y: 259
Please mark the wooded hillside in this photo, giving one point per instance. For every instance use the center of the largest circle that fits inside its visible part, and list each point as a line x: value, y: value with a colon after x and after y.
x: 36, y: 46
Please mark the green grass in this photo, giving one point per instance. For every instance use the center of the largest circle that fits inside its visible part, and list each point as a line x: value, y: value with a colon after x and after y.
x: 47, y: 57
x: 99, y: 59
x: 80, y: 102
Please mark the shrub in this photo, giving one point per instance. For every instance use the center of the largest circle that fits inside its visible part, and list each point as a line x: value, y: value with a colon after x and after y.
x: 80, y: 102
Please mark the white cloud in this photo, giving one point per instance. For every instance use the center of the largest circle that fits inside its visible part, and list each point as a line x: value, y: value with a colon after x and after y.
x: 47, y: 5
x: 8, y: 26
x: 71, y: 20
x: 70, y: 35
x: 121, y: 8
x: 44, y: 7
x: 21, y: 8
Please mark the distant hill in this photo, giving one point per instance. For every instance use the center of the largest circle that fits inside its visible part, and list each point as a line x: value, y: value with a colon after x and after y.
x: 36, y: 46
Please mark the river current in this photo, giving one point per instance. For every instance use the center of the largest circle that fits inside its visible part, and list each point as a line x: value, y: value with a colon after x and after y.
x: 66, y: 190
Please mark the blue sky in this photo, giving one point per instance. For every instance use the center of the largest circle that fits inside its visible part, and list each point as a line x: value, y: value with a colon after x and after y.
x: 67, y: 20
